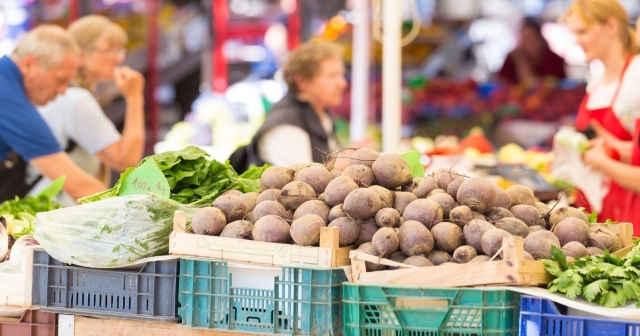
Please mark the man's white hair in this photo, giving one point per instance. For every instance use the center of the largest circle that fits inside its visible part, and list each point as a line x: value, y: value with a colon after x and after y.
x: 48, y: 43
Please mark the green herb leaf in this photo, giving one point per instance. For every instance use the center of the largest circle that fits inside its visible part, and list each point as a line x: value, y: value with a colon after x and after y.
x: 559, y: 256
x: 593, y: 289
x: 593, y: 217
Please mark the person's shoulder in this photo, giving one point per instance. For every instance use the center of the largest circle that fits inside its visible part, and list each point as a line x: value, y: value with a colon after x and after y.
x: 634, y: 66
x: 288, y: 107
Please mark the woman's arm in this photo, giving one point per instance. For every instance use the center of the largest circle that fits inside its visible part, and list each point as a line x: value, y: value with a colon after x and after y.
x: 129, y: 150
x: 624, y: 174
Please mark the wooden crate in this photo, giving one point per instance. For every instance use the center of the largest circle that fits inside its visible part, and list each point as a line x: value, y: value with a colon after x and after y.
x: 329, y: 254
x: 15, y: 288
x: 512, y: 269
x: 90, y: 326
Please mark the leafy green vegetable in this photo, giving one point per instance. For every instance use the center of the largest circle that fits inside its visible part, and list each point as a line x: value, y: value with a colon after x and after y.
x: 193, y: 178
x: 593, y: 217
x: 604, y: 279
x: 20, y: 213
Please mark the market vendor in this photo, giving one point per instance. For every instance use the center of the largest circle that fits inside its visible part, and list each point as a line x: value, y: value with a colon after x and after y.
x: 299, y: 128
x: 41, y: 67
x: 602, y: 30
x: 532, y: 59
x: 77, y: 120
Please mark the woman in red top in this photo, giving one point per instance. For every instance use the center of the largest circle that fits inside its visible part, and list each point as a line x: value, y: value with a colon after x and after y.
x: 532, y: 59
x: 602, y: 30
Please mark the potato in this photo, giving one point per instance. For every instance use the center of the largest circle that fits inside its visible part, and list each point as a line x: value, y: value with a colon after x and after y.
x: 272, y: 229
x: 338, y: 189
x: 535, y: 228
x: 362, y: 203
x: 387, y: 196
x: 315, y: 207
x: 234, y: 207
x: 447, y: 203
x: 391, y: 171
x: 497, y: 214
x: 594, y: 251
x: 208, y: 221
x: 520, y: 194
x: 425, y: 211
x: 422, y: 186
x: 232, y: 193
x: 388, y: 217
x: 398, y: 257
x: 491, y: 241
x: 250, y: 200
x: 452, y: 188
x: 464, y: 253
x: 402, y: 200
x: 461, y: 215
x: 336, y: 212
x: 572, y: 230
x: 361, y: 174
x: 559, y: 214
x: 295, y: 193
x: 480, y: 258
x: 438, y: 257
x: 318, y: 177
x: 418, y: 261
x: 366, y: 230
x: 539, y: 243
x: 514, y: 226
x: 528, y: 214
x: 276, y: 177
x: 575, y: 249
x: 269, y: 208
x: 473, y: 233
x: 445, y: 176
x: 448, y: 236
x: 349, y: 229
x: 603, y: 238
x: 478, y: 194
x: 385, y: 241
x: 369, y: 249
x: 502, y: 198
x: 305, y: 230
x: 240, y: 229
x: 270, y: 195
x: 364, y: 156
x: 415, y: 238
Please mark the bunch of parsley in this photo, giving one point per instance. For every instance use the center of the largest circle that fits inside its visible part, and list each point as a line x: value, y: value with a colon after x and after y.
x: 193, y: 178
x: 604, y: 279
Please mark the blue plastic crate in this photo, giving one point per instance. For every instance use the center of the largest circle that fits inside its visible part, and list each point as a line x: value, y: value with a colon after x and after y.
x: 304, y: 301
x: 147, y: 294
x: 540, y: 316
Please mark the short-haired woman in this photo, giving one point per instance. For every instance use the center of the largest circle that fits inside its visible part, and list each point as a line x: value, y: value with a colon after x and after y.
x: 77, y: 120
x: 299, y: 128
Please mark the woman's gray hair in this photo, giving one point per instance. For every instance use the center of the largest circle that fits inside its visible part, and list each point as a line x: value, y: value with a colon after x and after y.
x: 48, y: 43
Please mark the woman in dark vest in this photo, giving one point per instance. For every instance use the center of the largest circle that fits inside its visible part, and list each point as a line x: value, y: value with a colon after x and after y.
x: 299, y: 128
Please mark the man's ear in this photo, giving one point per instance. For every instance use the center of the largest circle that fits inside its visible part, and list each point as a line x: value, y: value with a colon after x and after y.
x: 27, y: 63
x: 301, y: 83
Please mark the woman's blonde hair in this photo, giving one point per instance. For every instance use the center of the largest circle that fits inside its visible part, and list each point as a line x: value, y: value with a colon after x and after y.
x: 88, y: 30
x: 305, y: 62
x: 599, y: 11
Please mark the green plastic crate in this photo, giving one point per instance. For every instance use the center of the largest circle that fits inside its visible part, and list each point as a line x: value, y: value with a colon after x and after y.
x: 412, y: 311
x: 304, y: 301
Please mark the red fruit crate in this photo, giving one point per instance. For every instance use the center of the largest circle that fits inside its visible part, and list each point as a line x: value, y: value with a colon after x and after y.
x: 32, y: 323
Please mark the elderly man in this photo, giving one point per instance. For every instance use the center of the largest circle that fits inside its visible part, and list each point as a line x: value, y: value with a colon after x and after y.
x: 40, y: 68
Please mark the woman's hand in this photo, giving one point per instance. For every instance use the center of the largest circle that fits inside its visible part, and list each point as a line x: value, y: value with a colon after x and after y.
x: 597, y: 154
x: 130, y: 82
x: 623, y: 148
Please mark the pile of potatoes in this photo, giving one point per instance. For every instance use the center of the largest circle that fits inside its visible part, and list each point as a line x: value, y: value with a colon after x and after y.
x: 382, y: 210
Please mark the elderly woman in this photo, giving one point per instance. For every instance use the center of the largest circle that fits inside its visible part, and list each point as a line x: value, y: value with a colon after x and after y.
x: 299, y: 128
x: 77, y: 120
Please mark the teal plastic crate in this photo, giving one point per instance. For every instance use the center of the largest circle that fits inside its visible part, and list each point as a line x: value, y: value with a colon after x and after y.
x: 413, y: 311
x: 303, y: 301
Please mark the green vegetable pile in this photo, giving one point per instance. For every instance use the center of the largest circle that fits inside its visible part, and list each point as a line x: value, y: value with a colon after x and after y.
x: 604, y: 279
x: 193, y: 178
x: 20, y: 213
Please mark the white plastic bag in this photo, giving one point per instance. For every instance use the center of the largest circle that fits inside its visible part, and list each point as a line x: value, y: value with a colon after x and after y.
x: 110, y: 233
x: 568, y: 146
